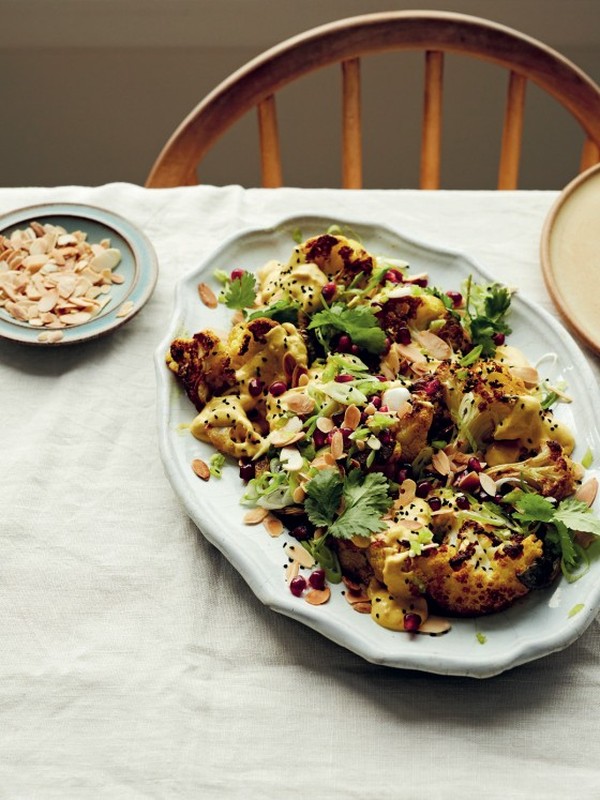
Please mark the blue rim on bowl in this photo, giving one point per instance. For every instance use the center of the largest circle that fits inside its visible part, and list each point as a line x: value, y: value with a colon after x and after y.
x: 138, y: 268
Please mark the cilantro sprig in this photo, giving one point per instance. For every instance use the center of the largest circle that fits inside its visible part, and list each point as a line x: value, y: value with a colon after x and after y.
x: 239, y: 293
x: 359, y: 323
x: 486, y: 311
x: 348, y: 506
x: 561, y: 520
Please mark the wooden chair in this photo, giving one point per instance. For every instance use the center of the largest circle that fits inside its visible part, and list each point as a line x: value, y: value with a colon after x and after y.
x: 346, y: 42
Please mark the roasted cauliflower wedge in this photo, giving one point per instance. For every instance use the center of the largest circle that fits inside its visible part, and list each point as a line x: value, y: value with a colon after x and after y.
x: 409, y: 450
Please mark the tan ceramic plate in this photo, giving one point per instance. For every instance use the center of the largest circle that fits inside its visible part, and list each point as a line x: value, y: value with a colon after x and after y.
x: 571, y: 255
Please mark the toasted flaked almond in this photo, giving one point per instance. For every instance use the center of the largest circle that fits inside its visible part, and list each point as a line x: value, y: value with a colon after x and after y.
x: 116, y: 277
x: 436, y: 346
x: 77, y: 318
x: 298, y: 494
x: 297, y: 553
x: 48, y: 301
x: 364, y: 607
x: 441, y: 463
x: 412, y: 524
x: 208, y: 297
x: 352, y: 418
x: 37, y: 228
x: 337, y: 445
x: 255, y: 515
x: 411, y: 352
x: 587, y: 491
x: 50, y: 337
x: 316, y: 597
x: 273, y: 526
x: 125, y: 309
x: 291, y: 459
x: 300, y: 377
x: 288, y: 434
x: 201, y: 469
x: 487, y: 484
x: 291, y: 570
x: 324, y: 461
x: 352, y: 598
x: 325, y: 424
x: 299, y: 403
x: 434, y: 626
x: 529, y: 375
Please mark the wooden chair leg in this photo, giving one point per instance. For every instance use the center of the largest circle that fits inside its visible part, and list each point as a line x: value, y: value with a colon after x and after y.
x: 512, y: 133
x: 270, y: 155
x: 351, y: 125
x: 431, y: 139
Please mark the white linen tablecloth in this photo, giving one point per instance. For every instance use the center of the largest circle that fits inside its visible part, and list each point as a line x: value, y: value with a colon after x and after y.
x: 136, y: 663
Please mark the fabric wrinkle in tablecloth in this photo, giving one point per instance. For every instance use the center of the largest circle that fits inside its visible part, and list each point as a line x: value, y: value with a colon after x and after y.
x: 136, y: 663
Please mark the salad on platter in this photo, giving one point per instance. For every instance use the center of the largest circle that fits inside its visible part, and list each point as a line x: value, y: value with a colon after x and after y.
x: 407, y: 448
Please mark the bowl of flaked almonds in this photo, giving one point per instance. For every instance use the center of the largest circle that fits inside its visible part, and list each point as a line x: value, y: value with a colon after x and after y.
x: 71, y: 272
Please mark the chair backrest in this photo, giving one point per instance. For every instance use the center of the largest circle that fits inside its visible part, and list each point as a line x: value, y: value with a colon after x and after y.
x: 346, y: 42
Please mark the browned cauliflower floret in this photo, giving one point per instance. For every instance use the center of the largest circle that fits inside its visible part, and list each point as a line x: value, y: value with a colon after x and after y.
x: 224, y: 424
x: 410, y: 432
x: 203, y: 366
x: 412, y: 311
x: 340, y: 258
x: 551, y: 472
x: 474, y: 572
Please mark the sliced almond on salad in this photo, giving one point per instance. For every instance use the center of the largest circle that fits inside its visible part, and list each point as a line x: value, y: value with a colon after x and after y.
x: 317, y: 597
x: 255, y: 515
x: 201, y: 469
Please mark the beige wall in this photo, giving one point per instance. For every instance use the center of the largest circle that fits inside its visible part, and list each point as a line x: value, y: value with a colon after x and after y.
x: 92, y: 88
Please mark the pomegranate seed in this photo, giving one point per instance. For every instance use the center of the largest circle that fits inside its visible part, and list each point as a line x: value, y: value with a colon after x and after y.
x: 247, y: 472
x: 301, y: 532
x: 386, y: 346
x: 277, y: 388
x: 422, y: 282
x: 456, y: 298
x: 255, y: 387
x: 343, y: 344
x: 403, y: 336
x: 346, y: 433
x: 385, y: 437
x: 498, y: 338
x: 297, y: 585
x: 431, y: 387
x: 462, y: 502
x: 319, y: 438
x: 412, y: 622
x: 355, y: 349
x: 317, y: 579
x: 375, y: 401
x: 474, y: 464
x: 343, y: 378
x: 423, y: 488
x: 393, y: 276
x: 435, y: 503
x: 328, y: 292
x: 236, y: 274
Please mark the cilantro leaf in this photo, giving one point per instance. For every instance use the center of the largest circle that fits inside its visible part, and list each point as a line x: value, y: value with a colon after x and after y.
x: 240, y: 293
x: 281, y: 311
x: 366, y: 499
x: 486, y: 309
x: 360, y: 323
x: 324, y: 494
x: 562, y: 521
x: 531, y: 507
x: 577, y: 516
